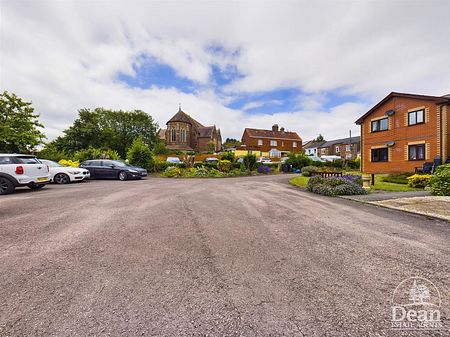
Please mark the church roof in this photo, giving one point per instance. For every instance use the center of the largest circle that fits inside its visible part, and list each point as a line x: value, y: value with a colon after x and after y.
x: 206, y: 131
x: 182, y: 116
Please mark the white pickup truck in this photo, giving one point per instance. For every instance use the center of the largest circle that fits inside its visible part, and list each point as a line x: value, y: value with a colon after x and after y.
x: 19, y: 170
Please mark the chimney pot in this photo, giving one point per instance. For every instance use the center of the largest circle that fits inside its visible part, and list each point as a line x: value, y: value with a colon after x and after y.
x: 282, y: 129
x: 275, y: 127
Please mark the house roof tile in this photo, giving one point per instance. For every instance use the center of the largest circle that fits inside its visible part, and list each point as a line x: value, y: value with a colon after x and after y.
x: 260, y: 133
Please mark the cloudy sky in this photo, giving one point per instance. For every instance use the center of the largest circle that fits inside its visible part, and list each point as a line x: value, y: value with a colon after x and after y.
x: 311, y: 66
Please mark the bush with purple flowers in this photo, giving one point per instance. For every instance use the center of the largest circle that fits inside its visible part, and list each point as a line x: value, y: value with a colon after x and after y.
x: 263, y: 169
x: 333, y: 186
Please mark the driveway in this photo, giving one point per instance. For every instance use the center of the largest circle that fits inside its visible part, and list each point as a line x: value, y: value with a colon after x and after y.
x: 211, y: 257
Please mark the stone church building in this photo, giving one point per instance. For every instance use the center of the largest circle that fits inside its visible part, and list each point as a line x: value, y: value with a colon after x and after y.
x: 184, y: 133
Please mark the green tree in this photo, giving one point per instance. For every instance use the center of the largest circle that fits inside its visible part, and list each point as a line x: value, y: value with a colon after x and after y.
x: 160, y: 148
x: 210, y: 147
x: 231, y: 142
x: 319, y: 138
x: 107, y: 129
x: 139, y: 154
x: 19, y: 125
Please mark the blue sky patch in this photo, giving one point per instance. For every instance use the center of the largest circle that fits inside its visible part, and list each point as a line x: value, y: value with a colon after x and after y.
x: 149, y: 72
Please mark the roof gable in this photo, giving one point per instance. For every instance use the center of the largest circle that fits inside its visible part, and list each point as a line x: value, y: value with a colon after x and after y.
x: 182, y: 116
x: 436, y: 99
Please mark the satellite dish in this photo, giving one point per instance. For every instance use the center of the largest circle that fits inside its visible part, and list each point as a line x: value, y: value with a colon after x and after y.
x: 390, y: 112
x: 389, y: 144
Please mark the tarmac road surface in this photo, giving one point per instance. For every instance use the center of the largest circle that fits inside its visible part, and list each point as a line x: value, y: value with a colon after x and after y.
x: 248, y: 256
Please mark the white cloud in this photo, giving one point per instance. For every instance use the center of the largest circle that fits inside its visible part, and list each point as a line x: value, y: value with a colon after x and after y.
x: 66, y: 55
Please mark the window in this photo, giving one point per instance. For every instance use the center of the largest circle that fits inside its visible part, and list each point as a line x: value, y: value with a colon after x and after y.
x: 416, y: 117
x: 273, y: 143
x: 380, y: 154
x: 380, y: 125
x: 260, y: 142
x: 173, y: 135
x: 338, y: 149
x: 28, y: 160
x: 5, y: 160
x: 183, y: 136
x: 294, y: 144
x: 347, y: 148
x: 416, y: 152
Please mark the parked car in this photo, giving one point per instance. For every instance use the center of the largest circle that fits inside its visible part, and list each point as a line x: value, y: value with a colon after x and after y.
x: 174, y: 160
x: 112, y: 169
x: 19, y: 170
x: 211, y: 160
x: 264, y: 160
x: 60, y: 174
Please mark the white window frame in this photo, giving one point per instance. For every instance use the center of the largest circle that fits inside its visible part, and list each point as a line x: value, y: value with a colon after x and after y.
x: 338, y: 150
x: 273, y: 142
x: 294, y: 144
x: 348, y: 148
x: 260, y: 142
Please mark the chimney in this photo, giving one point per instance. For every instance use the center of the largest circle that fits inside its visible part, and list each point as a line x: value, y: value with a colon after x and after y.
x: 275, y: 127
x: 282, y: 129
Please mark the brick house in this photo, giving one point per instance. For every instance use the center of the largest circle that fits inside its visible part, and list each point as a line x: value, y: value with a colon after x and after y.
x: 403, y: 131
x: 346, y: 148
x: 274, y: 143
x: 311, y: 148
x: 184, y: 133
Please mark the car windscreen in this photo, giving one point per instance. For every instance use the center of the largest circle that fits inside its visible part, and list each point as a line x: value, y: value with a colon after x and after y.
x: 28, y: 160
x: 117, y: 163
x: 51, y: 163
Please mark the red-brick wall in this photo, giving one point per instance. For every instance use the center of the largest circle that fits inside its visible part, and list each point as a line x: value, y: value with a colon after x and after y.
x: 282, y: 144
x: 401, y: 134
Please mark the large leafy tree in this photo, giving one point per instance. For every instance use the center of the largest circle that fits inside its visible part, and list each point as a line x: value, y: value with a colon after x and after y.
x: 107, y: 129
x: 19, y: 125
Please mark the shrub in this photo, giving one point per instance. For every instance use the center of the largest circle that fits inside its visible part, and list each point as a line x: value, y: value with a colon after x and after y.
x: 160, y: 148
x: 354, y: 164
x: 397, y: 178
x: 208, y: 165
x: 250, y: 162
x: 228, y: 156
x: 264, y: 169
x: 307, y: 170
x: 140, y: 154
x: 440, y: 181
x: 224, y: 166
x: 65, y: 162
x: 159, y: 165
x: 51, y: 153
x: 299, y: 160
x: 419, y: 180
x: 172, y: 171
x: 354, y: 178
x: 334, y: 186
x: 95, y: 153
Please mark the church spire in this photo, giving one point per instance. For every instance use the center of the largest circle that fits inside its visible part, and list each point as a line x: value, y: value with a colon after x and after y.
x: 179, y: 107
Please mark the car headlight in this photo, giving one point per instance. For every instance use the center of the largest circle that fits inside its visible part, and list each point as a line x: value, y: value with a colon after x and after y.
x: 133, y: 171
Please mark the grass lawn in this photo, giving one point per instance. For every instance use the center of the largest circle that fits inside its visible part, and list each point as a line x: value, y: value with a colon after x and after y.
x: 299, y: 181
x: 391, y: 187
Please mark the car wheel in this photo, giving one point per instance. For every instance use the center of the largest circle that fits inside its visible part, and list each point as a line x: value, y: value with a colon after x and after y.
x: 6, y: 186
x: 36, y: 187
x: 123, y: 175
x: 61, y: 178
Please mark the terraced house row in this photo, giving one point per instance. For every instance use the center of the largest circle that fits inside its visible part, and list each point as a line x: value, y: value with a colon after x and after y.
x: 404, y: 131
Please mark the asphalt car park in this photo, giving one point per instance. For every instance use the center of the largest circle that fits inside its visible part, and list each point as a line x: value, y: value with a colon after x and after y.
x: 249, y: 256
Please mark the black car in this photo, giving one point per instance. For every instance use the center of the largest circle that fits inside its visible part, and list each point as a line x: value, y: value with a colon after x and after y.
x: 113, y: 169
